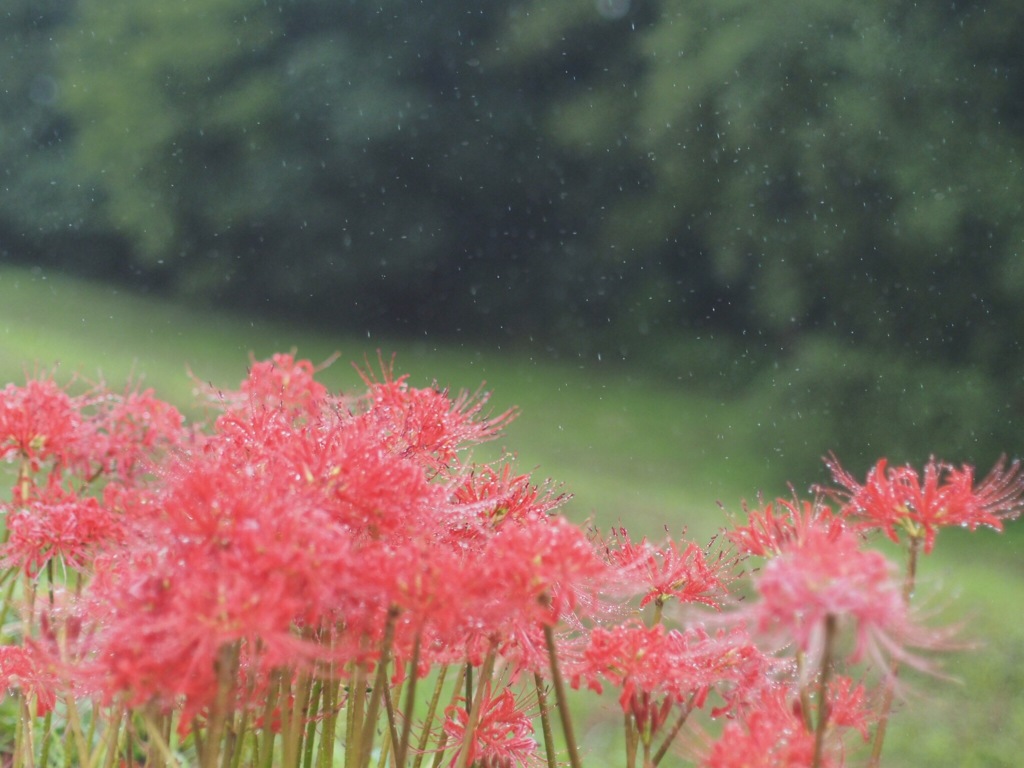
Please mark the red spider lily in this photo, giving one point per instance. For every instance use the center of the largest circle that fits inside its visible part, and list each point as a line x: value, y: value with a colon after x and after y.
x: 665, y: 572
x: 773, y: 731
x: 56, y: 523
x: 38, y: 421
x: 28, y: 669
x: 286, y: 383
x: 428, y: 422
x: 275, y: 528
x: 232, y: 549
x: 313, y: 534
x: 533, y: 573
x: 496, y: 494
x: 126, y: 432
x: 848, y: 706
x: 502, y: 736
x: 657, y: 664
x: 771, y: 735
x: 370, y: 489
x: 898, y: 498
x: 774, y: 527
x: 824, y: 574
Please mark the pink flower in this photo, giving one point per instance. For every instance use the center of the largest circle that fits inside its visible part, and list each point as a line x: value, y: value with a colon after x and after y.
x: 773, y: 731
x: 286, y: 383
x: 898, y: 498
x: 26, y: 668
x: 668, y: 571
x: 38, y: 421
x: 532, y: 573
x: 127, y: 433
x: 655, y: 664
x: 60, y: 524
x: 772, y: 735
x: 826, y: 573
x: 775, y: 526
x: 428, y: 422
x: 501, y: 738
x: 495, y: 494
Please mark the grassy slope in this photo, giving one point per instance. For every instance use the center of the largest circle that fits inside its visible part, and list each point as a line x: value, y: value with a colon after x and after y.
x: 630, y: 452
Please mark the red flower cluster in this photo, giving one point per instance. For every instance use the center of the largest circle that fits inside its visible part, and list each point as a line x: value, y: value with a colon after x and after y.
x: 502, y: 737
x: 672, y: 570
x: 896, y: 499
x: 310, y: 546
x: 63, y: 445
x: 305, y: 522
x: 774, y: 734
x: 823, y: 574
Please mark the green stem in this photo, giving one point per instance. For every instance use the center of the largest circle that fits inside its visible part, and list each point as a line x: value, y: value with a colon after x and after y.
x: 294, y: 727
x: 8, y: 574
x: 676, y: 727
x: 226, y: 667
x: 156, y: 739
x: 482, y: 688
x: 373, y: 708
x: 632, y: 738
x: 885, y: 708
x: 314, y: 709
x: 805, y: 694
x: 659, y: 607
x: 331, y: 697
x: 545, y: 721
x: 442, y: 741
x: 112, y: 738
x: 823, y: 705
x: 355, y: 703
x: 75, y: 723
x: 266, y: 742
x: 389, y: 710
x: 402, y: 749
x: 561, y: 698
x: 435, y: 699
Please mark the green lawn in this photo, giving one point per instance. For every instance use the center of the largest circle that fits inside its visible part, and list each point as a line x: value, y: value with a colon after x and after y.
x: 631, y: 451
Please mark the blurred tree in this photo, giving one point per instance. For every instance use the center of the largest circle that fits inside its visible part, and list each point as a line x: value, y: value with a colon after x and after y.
x: 171, y: 104
x: 596, y: 173
x: 42, y: 215
x: 355, y: 161
x: 805, y: 165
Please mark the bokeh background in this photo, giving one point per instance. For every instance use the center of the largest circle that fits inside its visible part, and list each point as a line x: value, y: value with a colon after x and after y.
x: 701, y: 243
x: 814, y: 198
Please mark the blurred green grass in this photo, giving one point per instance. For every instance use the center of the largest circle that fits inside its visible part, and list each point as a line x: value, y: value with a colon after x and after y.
x: 632, y: 451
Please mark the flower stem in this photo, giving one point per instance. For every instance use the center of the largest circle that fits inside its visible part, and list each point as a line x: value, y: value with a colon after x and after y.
x: 885, y: 708
x: 294, y: 720
x: 381, y: 680
x: 157, y: 740
x: 355, y: 703
x: 545, y: 721
x: 435, y: 698
x: 226, y: 665
x: 266, y: 743
x: 632, y: 739
x: 823, y: 705
x: 561, y: 698
x: 402, y: 748
x: 314, y: 709
x: 482, y: 688
x: 331, y: 708
x: 676, y: 727
x: 392, y: 729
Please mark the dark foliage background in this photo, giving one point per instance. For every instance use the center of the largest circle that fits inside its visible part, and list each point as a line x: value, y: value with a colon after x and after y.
x: 819, y: 199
